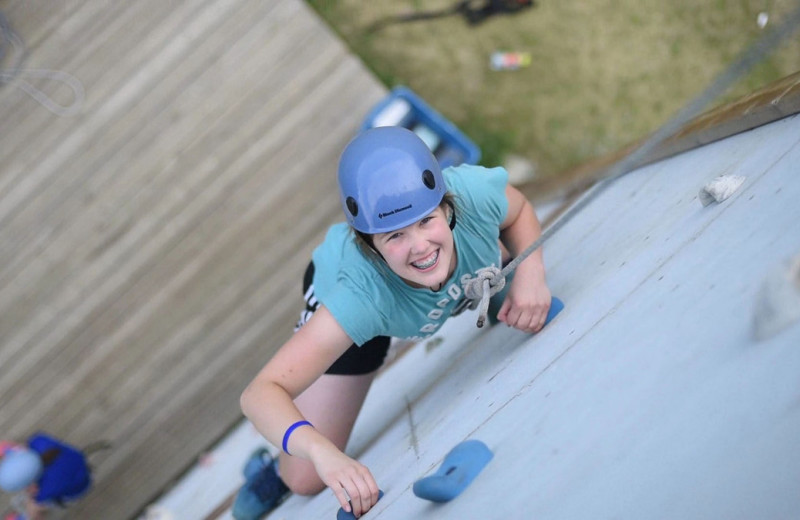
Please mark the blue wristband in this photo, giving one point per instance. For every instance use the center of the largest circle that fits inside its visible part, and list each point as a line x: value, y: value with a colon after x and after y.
x: 289, y: 431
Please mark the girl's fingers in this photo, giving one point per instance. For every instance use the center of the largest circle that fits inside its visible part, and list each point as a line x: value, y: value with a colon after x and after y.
x: 356, y: 495
x: 355, y: 498
x: 538, y: 321
x: 530, y: 319
x: 536, y: 325
x: 502, y: 315
x: 341, y: 496
x: 367, y: 496
x: 376, y: 492
x: 514, y: 318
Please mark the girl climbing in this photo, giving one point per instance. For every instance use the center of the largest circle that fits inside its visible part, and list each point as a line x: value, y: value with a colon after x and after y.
x: 414, y: 237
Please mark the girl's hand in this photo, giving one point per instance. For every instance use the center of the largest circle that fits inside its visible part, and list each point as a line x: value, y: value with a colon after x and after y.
x: 347, y: 478
x: 528, y: 299
x: 527, y: 302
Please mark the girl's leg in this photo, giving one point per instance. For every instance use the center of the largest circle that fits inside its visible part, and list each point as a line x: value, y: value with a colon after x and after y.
x: 331, y: 404
x: 333, y: 401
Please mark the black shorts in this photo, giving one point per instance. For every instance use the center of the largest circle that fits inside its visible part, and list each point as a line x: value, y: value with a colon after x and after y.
x: 356, y: 360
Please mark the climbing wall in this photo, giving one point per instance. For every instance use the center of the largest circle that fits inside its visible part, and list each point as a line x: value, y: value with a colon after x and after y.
x: 650, y: 395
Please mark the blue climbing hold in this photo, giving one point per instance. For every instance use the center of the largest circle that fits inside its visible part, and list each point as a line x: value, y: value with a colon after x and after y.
x: 496, y: 302
x: 458, y: 470
x: 344, y: 515
x: 556, y: 306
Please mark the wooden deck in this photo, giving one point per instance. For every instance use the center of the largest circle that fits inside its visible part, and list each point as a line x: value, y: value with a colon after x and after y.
x: 151, y: 246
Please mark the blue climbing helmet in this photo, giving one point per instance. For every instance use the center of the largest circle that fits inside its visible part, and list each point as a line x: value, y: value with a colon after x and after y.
x: 19, y: 468
x: 388, y: 179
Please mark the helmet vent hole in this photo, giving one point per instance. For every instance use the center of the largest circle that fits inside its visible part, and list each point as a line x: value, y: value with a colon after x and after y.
x: 352, y: 206
x: 428, y: 179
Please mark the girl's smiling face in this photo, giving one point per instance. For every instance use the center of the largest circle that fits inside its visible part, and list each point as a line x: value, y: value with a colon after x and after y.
x: 423, y: 253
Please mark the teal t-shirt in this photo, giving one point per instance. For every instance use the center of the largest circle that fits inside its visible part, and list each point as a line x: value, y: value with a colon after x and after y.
x: 367, y: 299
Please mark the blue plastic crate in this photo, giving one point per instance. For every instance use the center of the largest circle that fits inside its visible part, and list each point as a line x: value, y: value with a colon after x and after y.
x: 402, y: 107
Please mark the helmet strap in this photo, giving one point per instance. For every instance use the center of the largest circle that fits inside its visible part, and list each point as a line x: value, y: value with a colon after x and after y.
x: 452, y: 215
x: 368, y: 240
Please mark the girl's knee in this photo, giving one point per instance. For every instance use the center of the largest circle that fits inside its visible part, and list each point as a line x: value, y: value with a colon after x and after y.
x: 302, y: 480
x: 304, y: 486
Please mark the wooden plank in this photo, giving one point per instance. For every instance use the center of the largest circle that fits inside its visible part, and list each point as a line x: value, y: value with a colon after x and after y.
x: 200, y: 207
x: 106, y: 208
x: 189, y: 167
x: 80, y: 226
x: 80, y: 49
x: 110, y: 134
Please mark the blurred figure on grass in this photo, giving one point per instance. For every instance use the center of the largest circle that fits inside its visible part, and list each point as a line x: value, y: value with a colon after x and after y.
x: 44, y: 473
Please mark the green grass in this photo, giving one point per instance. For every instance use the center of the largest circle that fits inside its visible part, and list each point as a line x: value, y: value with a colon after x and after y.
x: 603, y: 74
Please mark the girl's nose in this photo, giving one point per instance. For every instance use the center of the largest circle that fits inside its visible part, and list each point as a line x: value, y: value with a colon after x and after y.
x: 418, y: 242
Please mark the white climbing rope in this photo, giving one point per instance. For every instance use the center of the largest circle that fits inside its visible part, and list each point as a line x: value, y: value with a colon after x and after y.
x: 482, y: 288
x: 17, y: 76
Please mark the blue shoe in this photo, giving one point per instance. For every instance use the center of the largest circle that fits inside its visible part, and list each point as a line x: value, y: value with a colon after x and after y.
x: 260, y: 494
x: 258, y: 462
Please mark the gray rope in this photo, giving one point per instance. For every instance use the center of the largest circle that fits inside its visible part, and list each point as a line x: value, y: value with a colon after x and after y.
x: 15, y: 74
x: 747, y: 59
x: 488, y: 282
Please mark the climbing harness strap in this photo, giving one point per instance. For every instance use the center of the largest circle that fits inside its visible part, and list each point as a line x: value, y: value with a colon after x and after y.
x: 482, y: 288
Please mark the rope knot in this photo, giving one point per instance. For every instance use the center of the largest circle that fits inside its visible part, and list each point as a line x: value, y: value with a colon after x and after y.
x: 474, y: 288
x: 487, y: 282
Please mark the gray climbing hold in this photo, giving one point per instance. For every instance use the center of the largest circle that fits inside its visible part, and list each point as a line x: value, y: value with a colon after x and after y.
x: 720, y: 188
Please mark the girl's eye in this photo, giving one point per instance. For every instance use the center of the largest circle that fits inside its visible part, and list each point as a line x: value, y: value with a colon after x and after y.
x: 426, y: 220
x: 392, y: 236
